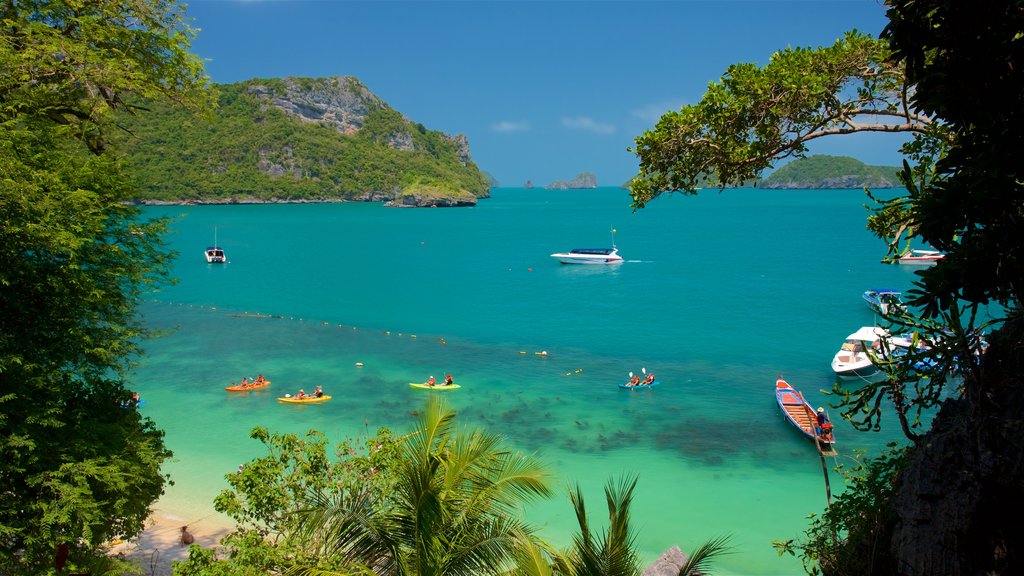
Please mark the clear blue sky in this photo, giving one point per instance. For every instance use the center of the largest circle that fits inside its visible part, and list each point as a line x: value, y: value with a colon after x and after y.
x: 542, y: 90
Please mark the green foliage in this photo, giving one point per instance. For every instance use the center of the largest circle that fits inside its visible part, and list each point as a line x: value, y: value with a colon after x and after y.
x: 966, y: 66
x: 611, y: 553
x: 853, y: 533
x: 78, y: 465
x: 823, y: 171
x: 755, y: 116
x: 454, y: 510
x: 250, y: 150
x: 269, y: 496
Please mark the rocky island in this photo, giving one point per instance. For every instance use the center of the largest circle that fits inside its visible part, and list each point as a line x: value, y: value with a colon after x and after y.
x: 822, y: 172
x: 298, y: 140
x: 582, y: 180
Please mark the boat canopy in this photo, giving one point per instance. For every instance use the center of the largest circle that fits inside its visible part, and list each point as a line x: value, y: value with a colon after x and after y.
x: 594, y: 251
x: 869, y: 334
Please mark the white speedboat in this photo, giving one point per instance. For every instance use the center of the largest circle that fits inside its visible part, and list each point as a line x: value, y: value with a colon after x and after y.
x: 884, y: 300
x: 921, y: 257
x: 853, y: 360
x: 215, y: 255
x: 589, y: 256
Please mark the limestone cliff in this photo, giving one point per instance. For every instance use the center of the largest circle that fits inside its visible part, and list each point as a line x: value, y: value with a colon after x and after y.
x: 296, y: 140
x: 582, y: 180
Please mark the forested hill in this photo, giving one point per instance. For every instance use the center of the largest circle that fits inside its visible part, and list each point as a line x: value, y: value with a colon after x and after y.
x: 822, y: 172
x: 298, y: 140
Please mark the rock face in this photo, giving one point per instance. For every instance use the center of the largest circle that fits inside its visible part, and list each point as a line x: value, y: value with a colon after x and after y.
x: 960, y: 498
x: 832, y: 183
x: 668, y: 564
x: 412, y: 200
x: 583, y: 180
x: 341, y: 102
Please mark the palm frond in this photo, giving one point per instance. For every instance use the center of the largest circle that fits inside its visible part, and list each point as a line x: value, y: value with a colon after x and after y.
x: 701, y: 558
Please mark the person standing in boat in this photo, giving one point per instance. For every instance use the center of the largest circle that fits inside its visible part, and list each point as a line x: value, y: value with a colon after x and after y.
x: 822, y: 420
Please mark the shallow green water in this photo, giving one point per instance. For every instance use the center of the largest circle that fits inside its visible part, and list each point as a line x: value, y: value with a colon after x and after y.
x: 718, y: 296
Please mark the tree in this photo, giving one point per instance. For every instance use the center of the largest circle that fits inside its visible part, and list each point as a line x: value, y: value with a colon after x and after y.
x: 952, y: 74
x: 269, y: 495
x: 78, y: 464
x: 452, y: 506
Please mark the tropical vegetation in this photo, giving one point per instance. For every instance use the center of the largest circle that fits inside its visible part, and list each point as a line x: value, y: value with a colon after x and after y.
x: 950, y: 75
x: 252, y: 150
x: 822, y: 171
x: 79, y: 465
x: 438, y: 500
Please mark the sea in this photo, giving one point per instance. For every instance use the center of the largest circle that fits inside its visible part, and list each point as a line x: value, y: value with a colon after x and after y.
x: 719, y: 295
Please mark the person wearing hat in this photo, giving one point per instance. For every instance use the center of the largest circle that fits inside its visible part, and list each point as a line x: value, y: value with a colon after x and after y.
x: 822, y: 419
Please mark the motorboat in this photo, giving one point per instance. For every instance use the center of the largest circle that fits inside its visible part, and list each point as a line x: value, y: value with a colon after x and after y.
x: 884, y: 301
x: 215, y: 255
x: 589, y: 256
x: 853, y: 359
x: 921, y: 257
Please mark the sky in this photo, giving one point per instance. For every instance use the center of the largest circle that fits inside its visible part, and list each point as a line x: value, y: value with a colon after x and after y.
x: 542, y: 90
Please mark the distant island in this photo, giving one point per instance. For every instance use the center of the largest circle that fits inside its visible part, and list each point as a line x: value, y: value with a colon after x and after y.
x: 821, y: 171
x: 298, y: 140
x: 582, y: 180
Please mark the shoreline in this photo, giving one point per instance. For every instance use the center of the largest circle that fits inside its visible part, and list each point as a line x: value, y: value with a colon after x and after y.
x: 159, y: 545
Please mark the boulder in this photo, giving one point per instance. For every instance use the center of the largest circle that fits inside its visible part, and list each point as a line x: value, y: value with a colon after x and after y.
x: 668, y: 564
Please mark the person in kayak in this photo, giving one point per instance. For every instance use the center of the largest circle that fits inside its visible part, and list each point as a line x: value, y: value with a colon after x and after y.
x: 448, y: 380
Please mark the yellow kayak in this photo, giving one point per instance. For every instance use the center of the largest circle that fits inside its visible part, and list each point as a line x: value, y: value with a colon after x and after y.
x: 306, y: 400
x: 434, y: 387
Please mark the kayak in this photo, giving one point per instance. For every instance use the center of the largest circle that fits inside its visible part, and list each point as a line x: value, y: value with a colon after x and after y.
x: 627, y: 386
x: 434, y: 387
x: 240, y: 388
x: 306, y: 400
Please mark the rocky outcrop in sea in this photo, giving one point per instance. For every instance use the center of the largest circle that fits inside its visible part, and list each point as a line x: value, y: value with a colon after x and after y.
x: 584, y: 180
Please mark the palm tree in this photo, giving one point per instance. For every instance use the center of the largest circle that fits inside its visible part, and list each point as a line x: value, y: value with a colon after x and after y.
x: 455, y: 508
x: 613, y: 553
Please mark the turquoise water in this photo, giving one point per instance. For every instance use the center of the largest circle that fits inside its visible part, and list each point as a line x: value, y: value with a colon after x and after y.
x: 719, y: 295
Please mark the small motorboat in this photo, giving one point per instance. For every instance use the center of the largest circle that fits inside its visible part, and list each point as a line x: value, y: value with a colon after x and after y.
x: 884, y: 301
x: 215, y: 255
x: 801, y: 414
x: 852, y: 360
x: 589, y: 256
x: 311, y: 399
x: 921, y: 257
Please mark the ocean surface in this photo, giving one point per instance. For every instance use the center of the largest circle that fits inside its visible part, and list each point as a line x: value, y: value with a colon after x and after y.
x: 719, y: 294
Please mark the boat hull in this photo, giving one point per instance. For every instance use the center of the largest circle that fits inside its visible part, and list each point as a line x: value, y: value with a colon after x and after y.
x: 240, y: 388
x: 307, y: 400
x: 626, y: 386
x: 800, y: 414
x: 438, y: 387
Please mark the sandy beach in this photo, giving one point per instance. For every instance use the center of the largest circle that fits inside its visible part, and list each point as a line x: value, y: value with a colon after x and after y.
x: 159, y: 545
